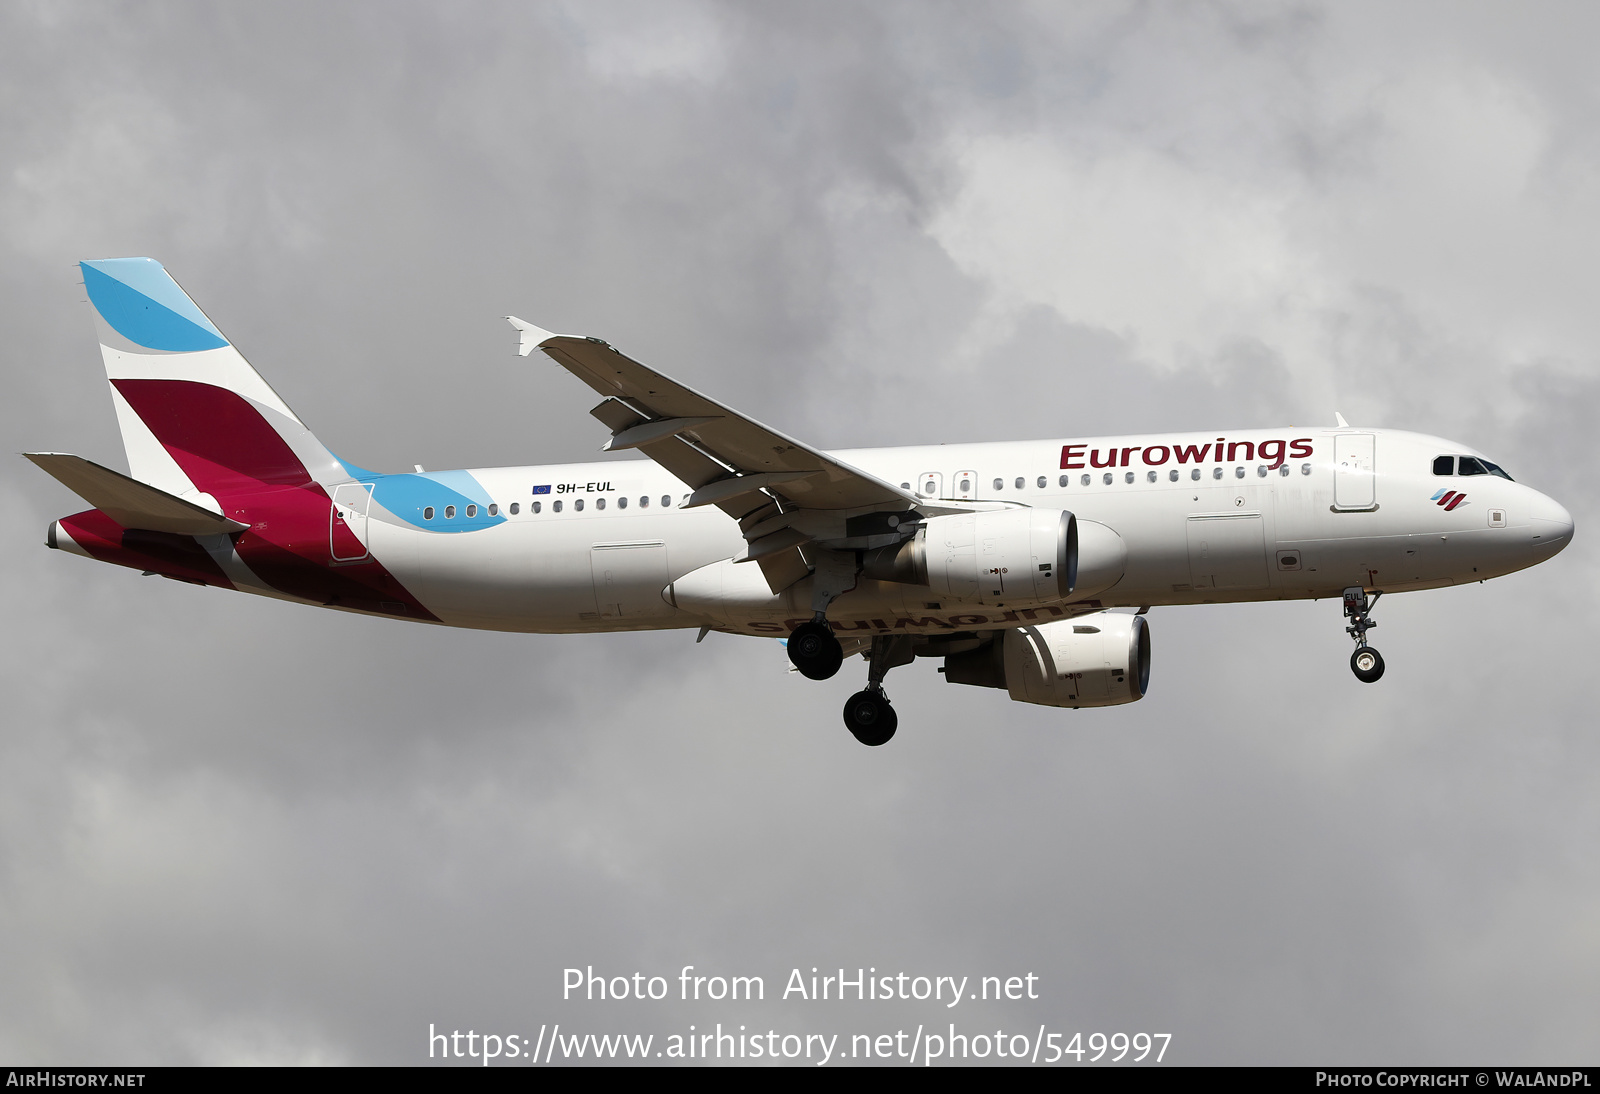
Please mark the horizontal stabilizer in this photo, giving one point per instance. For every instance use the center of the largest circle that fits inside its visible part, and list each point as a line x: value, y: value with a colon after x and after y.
x: 129, y: 502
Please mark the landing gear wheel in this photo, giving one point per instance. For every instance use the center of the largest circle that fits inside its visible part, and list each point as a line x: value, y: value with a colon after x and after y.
x: 815, y: 651
x: 870, y: 717
x: 1367, y: 664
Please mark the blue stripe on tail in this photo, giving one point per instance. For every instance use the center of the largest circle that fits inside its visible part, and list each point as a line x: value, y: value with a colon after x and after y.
x: 142, y: 303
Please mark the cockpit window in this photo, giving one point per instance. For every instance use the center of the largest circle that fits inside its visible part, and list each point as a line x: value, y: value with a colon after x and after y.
x: 1467, y: 465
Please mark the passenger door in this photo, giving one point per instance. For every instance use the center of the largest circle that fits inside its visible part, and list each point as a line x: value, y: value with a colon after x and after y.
x: 347, y: 522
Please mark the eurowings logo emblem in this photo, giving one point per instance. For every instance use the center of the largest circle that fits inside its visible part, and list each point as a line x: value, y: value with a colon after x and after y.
x: 1449, y: 499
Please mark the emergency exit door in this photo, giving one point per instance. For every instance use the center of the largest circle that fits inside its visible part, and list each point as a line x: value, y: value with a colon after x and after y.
x: 1354, y: 471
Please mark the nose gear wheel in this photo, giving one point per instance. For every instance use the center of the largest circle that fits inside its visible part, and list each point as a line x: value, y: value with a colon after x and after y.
x: 1367, y: 664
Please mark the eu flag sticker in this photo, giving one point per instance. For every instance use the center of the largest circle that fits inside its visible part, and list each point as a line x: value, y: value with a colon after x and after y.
x: 541, y: 489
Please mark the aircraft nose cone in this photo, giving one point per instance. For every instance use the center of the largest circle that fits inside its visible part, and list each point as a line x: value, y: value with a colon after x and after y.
x: 1552, y: 525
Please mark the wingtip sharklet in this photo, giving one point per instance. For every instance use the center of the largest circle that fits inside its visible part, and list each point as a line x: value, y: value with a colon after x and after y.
x: 532, y: 337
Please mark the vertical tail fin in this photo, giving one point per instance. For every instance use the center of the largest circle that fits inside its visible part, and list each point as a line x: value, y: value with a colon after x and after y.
x: 195, y: 417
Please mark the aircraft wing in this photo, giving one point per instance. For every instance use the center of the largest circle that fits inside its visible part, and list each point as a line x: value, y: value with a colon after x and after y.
x: 766, y: 480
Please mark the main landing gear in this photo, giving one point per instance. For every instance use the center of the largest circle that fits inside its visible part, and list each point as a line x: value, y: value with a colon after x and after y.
x: 817, y: 654
x: 1366, y: 662
x: 814, y: 650
x: 870, y: 718
x: 868, y: 715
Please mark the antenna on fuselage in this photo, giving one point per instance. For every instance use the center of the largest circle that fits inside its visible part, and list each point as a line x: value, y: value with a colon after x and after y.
x: 1340, y: 419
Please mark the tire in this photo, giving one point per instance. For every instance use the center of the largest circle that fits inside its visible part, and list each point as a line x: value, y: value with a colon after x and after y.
x: 870, y: 718
x: 815, y: 651
x: 1367, y: 664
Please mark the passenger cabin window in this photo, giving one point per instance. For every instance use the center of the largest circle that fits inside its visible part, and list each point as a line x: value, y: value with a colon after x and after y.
x: 449, y: 512
x: 494, y: 510
x: 1172, y: 476
x: 599, y: 503
x: 555, y: 506
x: 622, y: 503
x: 905, y: 486
x: 1216, y: 472
x: 644, y: 503
x: 1194, y: 474
x: 1020, y: 481
x: 427, y: 514
x: 1128, y: 477
x: 516, y: 507
x: 535, y: 507
x: 1108, y: 478
x: 999, y: 485
x: 577, y: 506
x: 666, y: 501
x: 1043, y: 481
x: 1084, y: 481
x: 1150, y: 475
x: 1444, y: 465
x: 1064, y: 480
x: 472, y: 510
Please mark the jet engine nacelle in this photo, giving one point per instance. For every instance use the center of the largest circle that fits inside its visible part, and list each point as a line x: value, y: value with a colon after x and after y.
x: 1092, y: 661
x: 1005, y: 557
x: 1009, y: 556
x: 1102, y: 559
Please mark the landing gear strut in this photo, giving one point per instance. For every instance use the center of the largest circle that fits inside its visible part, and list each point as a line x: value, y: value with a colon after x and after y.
x: 1366, y: 662
x: 814, y: 650
x: 868, y: 714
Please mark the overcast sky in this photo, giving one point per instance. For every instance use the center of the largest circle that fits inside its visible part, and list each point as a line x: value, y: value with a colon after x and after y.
x: 237, y: 830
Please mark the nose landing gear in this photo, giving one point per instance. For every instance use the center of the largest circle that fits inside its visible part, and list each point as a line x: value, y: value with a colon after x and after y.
x: 1366, y: 662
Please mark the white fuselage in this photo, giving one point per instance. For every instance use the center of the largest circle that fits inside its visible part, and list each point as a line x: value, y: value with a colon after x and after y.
x: 1352, y: 508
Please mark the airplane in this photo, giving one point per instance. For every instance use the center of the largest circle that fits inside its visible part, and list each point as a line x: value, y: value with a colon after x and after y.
x: 1003, y: 559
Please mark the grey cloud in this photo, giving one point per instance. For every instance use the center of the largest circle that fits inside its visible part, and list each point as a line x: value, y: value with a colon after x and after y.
x: 232, y: 829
